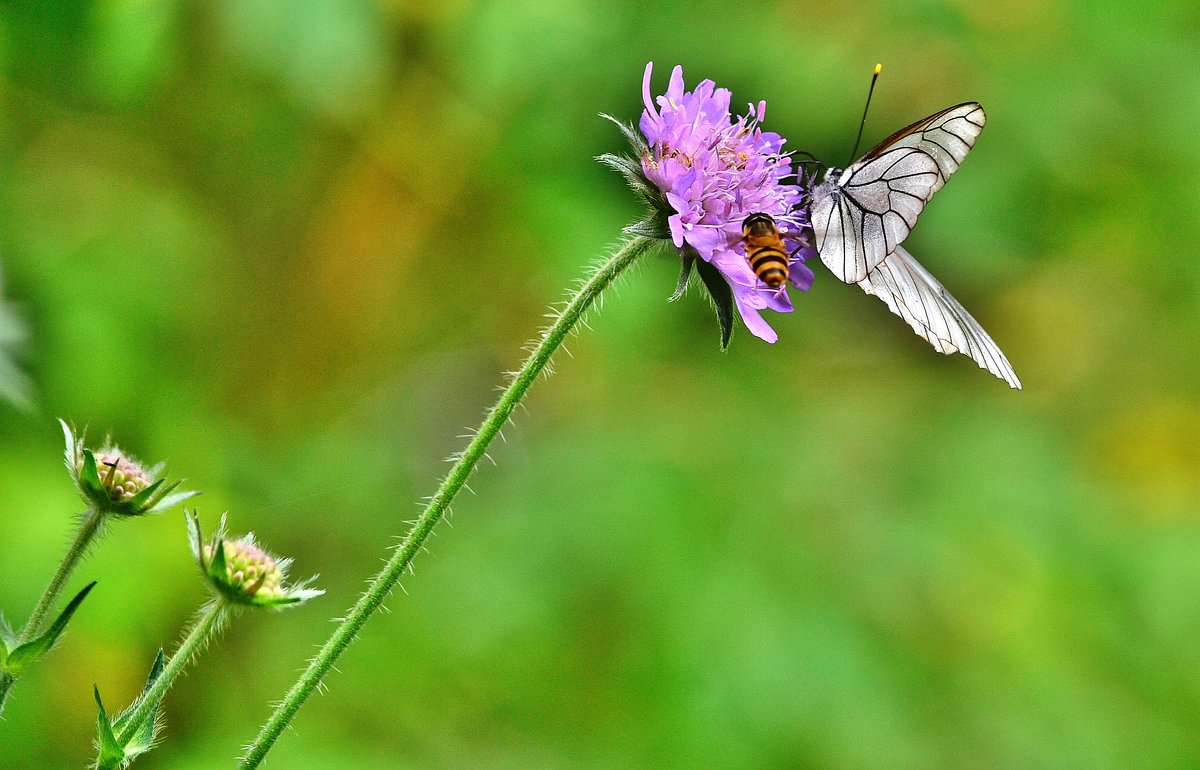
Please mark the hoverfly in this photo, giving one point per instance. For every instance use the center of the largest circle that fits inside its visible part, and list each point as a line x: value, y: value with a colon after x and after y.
x: 765, y: 250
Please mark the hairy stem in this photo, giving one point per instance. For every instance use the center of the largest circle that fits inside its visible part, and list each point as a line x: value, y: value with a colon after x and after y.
x: 6, y: 683
x: 208, y: 622
x: 382, y: 584
x: 88, y: 529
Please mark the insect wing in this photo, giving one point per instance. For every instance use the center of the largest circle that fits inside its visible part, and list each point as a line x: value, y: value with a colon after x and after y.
x: 912, y: 293
x: 862, y: 216
x: 946, y: 136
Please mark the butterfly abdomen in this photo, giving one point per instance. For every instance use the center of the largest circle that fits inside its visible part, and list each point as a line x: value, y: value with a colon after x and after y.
x: 765, y: 250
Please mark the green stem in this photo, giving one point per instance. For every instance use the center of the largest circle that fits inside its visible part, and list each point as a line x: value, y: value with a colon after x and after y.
x: 88, y: 528
x: 402, y: 556
x: 207, y: 623
x: 6, y: 683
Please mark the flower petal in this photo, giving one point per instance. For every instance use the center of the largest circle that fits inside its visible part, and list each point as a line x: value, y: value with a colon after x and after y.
x: 714, y: 171
x: 677, y: 231
x: 647, y: 99
x: 754, y: 321
x: 674, y: 96
x: 801, y: 276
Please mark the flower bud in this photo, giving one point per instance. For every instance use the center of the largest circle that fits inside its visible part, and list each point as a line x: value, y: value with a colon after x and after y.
x: 114, y: 483
x: 121, y: 477
x: 238, y: 570
x: 249, y: 570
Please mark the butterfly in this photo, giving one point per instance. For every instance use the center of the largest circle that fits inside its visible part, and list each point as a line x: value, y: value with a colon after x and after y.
x: 861, y: 214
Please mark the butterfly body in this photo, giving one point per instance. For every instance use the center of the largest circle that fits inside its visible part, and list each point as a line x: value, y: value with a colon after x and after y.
x: 861, y: 214
x: 834, y: 177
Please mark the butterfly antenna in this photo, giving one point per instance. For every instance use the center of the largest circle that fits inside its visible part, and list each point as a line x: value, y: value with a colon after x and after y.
x: 861, y: 126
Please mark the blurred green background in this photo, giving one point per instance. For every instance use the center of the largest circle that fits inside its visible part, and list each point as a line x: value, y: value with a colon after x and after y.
x: 289, y: 247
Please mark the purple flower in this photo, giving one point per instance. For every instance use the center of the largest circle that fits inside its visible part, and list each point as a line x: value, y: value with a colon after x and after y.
x: 713, y: 172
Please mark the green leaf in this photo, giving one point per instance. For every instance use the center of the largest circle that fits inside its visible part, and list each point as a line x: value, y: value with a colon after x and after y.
x: 138, y: 501
x: 90, y: 476
x: 216, y: 568
x: 635, y: 138
x: 623, y: 165
x: 722, y: 299
x: 167, y: 500
x: 162, y: 492
x: 630, y: 169
x: 650, y: 227
x: 685, y: 275
x: 7, y: 635
x: 195, y: 536
x: 8, y: 640
x: 293, y: 596
x: 109, y: 754
x: 143, y: 740
x: 30, y: 652
x: 72, y: 445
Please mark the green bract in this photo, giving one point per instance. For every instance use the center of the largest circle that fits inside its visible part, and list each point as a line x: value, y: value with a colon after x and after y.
x: 110, y: 752
x: 242, y: 572
x: 17, y: 657
x: 115, y: 483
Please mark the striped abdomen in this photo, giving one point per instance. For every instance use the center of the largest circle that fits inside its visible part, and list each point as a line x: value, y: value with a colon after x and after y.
x: 765, y: 250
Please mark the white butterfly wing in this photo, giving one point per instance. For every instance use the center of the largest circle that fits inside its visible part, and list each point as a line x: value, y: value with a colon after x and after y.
x: 912, y: 293
x: 861, y: 217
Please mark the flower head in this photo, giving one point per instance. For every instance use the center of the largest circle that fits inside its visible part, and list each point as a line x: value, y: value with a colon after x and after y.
x: 707, y: 172
x: 238, y: 570
x: 122, y: 477
x: 114, y: 482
